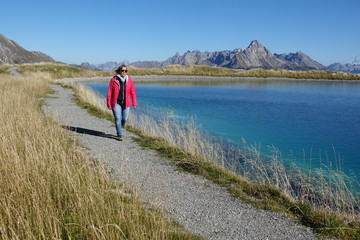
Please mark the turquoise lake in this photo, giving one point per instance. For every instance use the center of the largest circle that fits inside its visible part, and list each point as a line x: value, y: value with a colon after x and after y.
x: 304, y: 119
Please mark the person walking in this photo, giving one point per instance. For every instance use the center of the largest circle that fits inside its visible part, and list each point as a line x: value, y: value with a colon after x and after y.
x: 120, y: 96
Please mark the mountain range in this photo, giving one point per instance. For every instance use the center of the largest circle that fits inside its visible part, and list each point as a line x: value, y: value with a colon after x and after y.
x: 11, y: 52
x: 348, y: 67
x: 254, y: 56
x: 108, y: 66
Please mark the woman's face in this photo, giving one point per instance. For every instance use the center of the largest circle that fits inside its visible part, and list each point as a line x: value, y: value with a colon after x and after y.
x: 123, y: 71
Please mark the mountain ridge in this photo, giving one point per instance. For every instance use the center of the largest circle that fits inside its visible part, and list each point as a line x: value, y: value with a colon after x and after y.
x: 348, y: 68
x: 254, y: 56
x: 11, y: 52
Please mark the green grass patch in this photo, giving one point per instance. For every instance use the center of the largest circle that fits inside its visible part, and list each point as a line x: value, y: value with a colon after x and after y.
x: 4, y: 69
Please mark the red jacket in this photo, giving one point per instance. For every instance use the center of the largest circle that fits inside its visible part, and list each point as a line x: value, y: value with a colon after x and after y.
x: 114, y: 89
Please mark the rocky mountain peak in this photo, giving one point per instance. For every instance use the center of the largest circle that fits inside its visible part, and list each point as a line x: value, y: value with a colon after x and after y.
x: 301, y: 59
x: 256, y: 48
x: 255, y: 44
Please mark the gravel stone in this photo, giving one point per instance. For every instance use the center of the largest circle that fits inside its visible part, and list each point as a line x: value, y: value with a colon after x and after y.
x: 201, y: 206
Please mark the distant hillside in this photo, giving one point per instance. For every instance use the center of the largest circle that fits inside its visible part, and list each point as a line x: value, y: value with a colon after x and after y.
x: 111, y: 66
x: 11, y: 52
x: 254, y: 56
x: 108, y: 66
x: 349, y: 68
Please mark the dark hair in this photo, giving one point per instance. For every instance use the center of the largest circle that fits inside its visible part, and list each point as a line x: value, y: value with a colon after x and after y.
x: 119, y: 68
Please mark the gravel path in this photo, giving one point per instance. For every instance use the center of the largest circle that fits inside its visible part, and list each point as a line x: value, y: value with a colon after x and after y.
x: 199, y: 205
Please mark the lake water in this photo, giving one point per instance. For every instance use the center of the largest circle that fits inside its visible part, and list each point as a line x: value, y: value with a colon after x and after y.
x: 317, y: 121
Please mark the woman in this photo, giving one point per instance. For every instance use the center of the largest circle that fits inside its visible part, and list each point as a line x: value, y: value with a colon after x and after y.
x: 121, y: 91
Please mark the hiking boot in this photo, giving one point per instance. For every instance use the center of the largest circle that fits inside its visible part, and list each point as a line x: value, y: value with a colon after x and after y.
x: 119, y: 138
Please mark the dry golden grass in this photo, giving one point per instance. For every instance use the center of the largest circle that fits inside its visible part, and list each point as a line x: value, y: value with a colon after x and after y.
x: 49, y: 189
x: 88, y: 95
x: 58, y: 70
x: 181, y: 134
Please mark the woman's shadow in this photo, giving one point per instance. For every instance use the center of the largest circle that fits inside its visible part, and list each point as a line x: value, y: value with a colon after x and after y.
x: 88, y: 131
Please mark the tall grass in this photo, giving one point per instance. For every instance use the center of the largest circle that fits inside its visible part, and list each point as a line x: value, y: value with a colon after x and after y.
x: 87, y: 95
x: 49, y: 189
x: 325, y: 188
x: 323, y: 198
x: 164, y: 124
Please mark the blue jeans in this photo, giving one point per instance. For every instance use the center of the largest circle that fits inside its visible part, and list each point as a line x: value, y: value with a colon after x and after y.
x: 121, y: 115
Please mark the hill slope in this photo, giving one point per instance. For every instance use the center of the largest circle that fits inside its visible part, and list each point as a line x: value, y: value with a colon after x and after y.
x: 11, y: 52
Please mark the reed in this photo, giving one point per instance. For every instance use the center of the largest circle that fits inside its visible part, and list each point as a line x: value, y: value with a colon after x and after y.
x: 50, y: 189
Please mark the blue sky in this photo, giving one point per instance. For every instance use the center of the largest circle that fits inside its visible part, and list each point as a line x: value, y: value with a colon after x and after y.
x: 98, y: 31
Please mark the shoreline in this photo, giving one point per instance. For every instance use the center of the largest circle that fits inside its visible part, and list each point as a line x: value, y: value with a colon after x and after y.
x: 192, y: 78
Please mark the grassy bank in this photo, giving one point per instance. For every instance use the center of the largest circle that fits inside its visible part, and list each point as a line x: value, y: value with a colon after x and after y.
x: 196, y: 70
x: 322, y: 199
x: 50, y: 189
x: 57, y: 70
